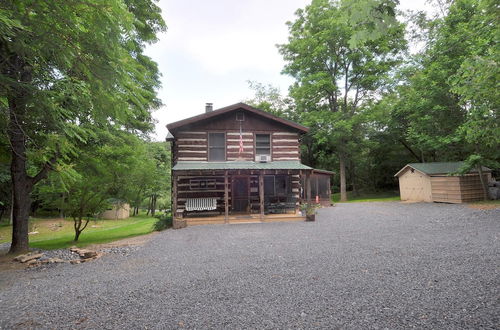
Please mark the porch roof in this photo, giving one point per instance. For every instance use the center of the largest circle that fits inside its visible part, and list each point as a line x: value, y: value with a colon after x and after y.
x: 240, y: 165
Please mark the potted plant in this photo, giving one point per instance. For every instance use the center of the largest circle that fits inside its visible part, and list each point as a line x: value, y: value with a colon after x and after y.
x: 310, y: 211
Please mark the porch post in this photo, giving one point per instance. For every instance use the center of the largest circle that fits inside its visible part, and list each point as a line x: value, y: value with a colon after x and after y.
x: 174, y: 194
x: 261, y: 195
x: 226, y: 197
x: 308, y: 186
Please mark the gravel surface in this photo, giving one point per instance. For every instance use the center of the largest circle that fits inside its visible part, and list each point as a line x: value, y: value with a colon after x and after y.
x: 360, y: 265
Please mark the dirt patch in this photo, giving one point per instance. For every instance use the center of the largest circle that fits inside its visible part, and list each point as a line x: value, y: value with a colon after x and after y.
x: 484, y: 206
x: 7, y: 263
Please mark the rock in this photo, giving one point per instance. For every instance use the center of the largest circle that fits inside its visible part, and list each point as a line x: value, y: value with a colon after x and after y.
x: 494, y: 192
x: 84, y: 253
x: 98, y: 255
x: 27, y: 257
x: 54, y: 260
x: 179, y: 223
x: 89, y: 254
x: 33, y: 262
x: 76, y: 261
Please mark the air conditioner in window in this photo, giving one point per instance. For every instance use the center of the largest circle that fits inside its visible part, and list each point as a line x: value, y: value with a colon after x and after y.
x: 263, y: 158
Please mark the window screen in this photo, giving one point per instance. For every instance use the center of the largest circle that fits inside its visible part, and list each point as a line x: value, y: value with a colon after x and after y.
x: 276, y: 185
x: 323, y: 186
x: 280, y: 185
x: 216, y: 146
x: 262, y: 144
x: 268, y: 185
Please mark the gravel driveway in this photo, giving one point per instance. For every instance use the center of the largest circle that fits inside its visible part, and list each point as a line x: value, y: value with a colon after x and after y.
x: 360, y: 265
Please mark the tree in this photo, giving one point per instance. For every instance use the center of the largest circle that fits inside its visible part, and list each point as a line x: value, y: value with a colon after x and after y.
x: 475, y: 83
x: 337, y: 67
x: 68, y: 67
x: 269, y: 98
x: 158, y: 153
x: 447, y: 104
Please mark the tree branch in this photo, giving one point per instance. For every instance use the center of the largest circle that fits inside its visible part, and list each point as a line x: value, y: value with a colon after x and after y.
x: 42, y: 174
x: 403, y: 142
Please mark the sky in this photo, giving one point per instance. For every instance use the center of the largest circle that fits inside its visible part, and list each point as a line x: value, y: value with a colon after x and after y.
x: 211, y: 49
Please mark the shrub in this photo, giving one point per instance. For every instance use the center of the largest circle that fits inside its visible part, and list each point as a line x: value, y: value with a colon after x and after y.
x: 164, y: 221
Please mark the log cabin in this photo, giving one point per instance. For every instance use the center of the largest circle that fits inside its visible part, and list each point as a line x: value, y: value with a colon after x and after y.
x: 237, y: 164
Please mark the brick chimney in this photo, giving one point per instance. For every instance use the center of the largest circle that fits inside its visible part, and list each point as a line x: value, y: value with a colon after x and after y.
x: 209, y: 107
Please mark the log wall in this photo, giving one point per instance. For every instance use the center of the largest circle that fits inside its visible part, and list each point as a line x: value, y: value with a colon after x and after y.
x: 193, y: 146
x: 285, y: 146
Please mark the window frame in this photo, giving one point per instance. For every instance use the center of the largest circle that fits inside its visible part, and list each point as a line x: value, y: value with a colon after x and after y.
x: 287, y: 185
x: 270, y: 144
x: 209, y: 147
x: 202, y: 184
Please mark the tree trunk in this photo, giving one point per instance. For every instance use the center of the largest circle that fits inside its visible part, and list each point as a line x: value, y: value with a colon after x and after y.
x: 11, y: 213
x: 78, y: 227
x: 22, y: 184
x: 343, y: 192
x: 153, y: 205
x: 483, y: 182
x: 150, y: 203
x: 61, y: 209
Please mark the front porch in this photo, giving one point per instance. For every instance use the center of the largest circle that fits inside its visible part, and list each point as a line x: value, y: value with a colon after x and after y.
x: 217, y: 193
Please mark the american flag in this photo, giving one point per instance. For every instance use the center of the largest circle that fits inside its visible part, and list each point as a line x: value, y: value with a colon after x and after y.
x: 241, y: 141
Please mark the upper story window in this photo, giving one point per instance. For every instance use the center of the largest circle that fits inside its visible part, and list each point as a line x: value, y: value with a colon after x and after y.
x: 262, y: 144
x: 216, y: 146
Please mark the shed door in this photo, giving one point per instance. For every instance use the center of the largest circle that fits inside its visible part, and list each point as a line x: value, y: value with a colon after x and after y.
x: 415, y: 187
x: 240, y: 194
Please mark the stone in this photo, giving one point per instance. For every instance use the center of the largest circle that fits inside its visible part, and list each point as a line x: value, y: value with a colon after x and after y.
x: 54, y: 260
x: 84, y: 253
x: 179, y: 223
x: 76, y: 261
x: 89, y: 254
x: 27, y: 257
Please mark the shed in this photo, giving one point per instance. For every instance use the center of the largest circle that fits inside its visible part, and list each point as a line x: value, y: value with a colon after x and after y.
x: 436, y: 182
x: 116, y: 211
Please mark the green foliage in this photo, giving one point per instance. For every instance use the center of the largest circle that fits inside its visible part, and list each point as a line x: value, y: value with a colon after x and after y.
x: 382, y: 196
x: 69, y: 69
x: 59, y: 234
x: 447, y: 106
x: 309, y: 208
x: 164, y: 221
x: 340, y: 61
x: 118, y: 166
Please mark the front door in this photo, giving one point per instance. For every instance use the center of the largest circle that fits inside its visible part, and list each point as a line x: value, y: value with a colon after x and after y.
x: 239, y: 196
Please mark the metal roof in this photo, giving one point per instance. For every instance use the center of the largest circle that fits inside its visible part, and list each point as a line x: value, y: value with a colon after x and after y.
x: 439, y: 168
x: 240, y: 165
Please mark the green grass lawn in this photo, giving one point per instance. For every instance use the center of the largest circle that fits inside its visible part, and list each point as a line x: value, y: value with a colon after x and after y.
x: 385, y: 196
x: 57, y: 233
x: 486, y: 204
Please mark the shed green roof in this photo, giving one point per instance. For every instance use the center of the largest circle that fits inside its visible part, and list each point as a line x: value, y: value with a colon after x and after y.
x: 439, y: 168
x: 240, y: 165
